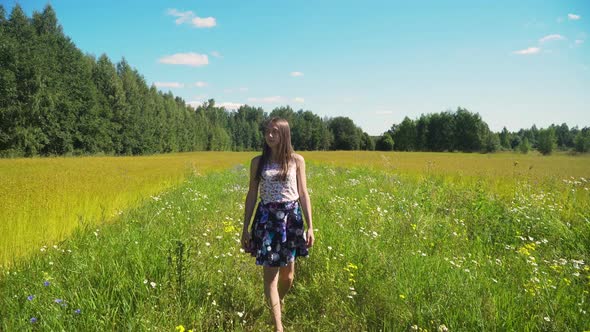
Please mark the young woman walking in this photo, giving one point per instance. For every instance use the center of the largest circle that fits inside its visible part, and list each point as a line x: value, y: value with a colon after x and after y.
x: 277, y: 236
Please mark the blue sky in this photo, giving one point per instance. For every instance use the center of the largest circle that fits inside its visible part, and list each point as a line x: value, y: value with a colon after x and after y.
x: 516, y: 63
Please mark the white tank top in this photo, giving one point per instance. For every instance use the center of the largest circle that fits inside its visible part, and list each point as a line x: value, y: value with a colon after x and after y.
x: 273, y: 189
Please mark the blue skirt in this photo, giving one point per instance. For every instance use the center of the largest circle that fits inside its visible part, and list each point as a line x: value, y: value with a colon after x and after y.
x: 278, y: 236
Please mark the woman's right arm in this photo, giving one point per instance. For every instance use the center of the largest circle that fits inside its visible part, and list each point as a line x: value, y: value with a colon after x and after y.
x: 250, y: 201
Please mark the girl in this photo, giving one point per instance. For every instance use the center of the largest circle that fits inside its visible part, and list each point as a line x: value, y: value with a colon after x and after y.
x: 277, y: 235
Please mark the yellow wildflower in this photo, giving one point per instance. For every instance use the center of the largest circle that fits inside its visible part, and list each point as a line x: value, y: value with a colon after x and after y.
x: 524, y: 251
x: 352, y: 266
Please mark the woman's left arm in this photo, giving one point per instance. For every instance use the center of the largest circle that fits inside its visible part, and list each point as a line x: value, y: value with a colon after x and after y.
x: 304, y: 198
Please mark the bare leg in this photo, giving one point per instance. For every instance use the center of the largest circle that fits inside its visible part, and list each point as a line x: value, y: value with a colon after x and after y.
x: 286, y: 275
x: 272, y: 295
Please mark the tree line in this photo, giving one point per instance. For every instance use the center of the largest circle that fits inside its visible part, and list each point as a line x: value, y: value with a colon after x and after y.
x: 56, y: 100
x: 466, y: 132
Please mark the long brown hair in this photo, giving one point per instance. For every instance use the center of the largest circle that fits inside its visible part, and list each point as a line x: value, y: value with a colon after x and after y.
x: 284, y: 150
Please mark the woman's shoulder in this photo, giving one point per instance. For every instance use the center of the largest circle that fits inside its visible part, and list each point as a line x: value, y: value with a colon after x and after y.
x: 297, y: 156
x: 298, y: 159
x: 255, y: 160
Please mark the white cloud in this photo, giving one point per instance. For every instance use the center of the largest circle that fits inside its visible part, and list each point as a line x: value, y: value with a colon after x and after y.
x: 230, y: 105
x: 299, y: 100
x: 168, y: 85
x: 189, y: 16
x: 189, y: 59
x: 215, y: 54
x: 579, y: 41
x: 207, y: 22
x: 551, y: 37
x: 296, y: 74
x: 182, y: 16
x: 201, y: 84
x: 528, y: 51
x: 266, y: 100
x: 573, y: 17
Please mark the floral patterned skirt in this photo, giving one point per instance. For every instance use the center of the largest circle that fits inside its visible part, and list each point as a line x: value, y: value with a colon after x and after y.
x: 277, y: 234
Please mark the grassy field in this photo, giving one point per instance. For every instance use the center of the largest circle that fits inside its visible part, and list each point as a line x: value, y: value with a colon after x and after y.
x: 495, y: 166
x: 43, y: 200
x: 395, y: 252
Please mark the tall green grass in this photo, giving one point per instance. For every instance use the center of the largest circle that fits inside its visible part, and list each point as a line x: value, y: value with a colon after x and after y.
x: 394, y: 252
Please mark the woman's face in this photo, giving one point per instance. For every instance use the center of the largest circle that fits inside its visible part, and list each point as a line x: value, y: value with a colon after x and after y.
x: 271, y: 135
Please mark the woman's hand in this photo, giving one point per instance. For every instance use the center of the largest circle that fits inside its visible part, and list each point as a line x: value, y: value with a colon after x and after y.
x: 310, y: 237
x: 246, y: 237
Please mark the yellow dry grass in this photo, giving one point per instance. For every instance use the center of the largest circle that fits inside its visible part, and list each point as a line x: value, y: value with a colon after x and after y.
x: 497, y: 165
x: 43, y: 199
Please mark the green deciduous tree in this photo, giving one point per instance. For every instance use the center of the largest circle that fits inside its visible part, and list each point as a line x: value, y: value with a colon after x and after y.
x: 504, y: 137
x: 546, y: 141
x: 470, y: 131
x: 404, y: 135
x: 385, y: 143
x: 524, y: 146
x: 346, y: 135
x: 582, y: 140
